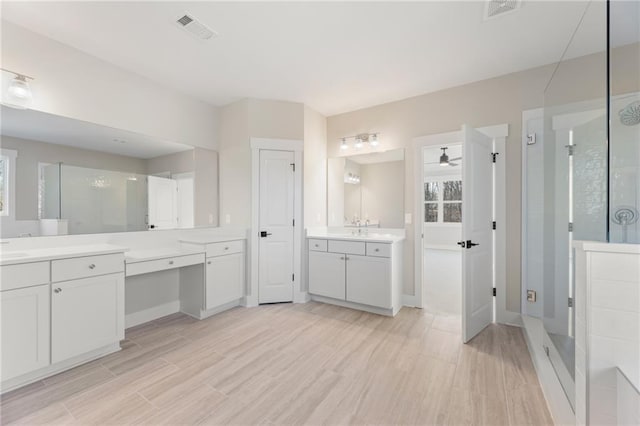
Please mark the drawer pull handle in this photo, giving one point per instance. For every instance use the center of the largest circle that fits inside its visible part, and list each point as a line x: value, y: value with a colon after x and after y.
x: 342, y: 258
x: 92, y: 266
x: 226, y: 248
x: 346, y: 258
x: 171, y: 262
x: 317, y: 245
x: 209, y: 263
x: 57, y: 290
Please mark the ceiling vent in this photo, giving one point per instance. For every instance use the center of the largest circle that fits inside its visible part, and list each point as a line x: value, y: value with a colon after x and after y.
x: 496, y: 8
x: 194, y: 27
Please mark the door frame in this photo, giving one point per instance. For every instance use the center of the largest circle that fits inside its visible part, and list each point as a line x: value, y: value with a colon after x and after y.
x: 257, y: 145
x: 499, y: 135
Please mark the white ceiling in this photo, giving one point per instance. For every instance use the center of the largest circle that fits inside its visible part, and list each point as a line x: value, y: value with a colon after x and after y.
x: 43, y: 127
x: 333, y: 56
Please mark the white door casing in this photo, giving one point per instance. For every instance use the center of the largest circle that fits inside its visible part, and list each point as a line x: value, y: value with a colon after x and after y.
x: 185, y: 200
x: 276, y: 223
x: 477, y: 218
x: 162, y: 199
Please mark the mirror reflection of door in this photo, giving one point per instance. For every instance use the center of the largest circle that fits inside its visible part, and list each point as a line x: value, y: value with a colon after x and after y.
x: 163, y: 207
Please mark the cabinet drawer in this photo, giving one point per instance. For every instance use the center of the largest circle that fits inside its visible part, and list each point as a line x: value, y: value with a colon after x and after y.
x: 24, y: 275
x: 379, y: 249
x: 138, y: 268
x: 227, y: 247
x: 349, y: 247
x: 318, y: 245
x: 86, y: 266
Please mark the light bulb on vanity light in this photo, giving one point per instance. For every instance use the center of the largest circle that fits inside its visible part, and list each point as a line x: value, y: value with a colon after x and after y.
x: 358, y: 143
x: 343, y: 145
x: 18, y: 92
x: 374, y: 140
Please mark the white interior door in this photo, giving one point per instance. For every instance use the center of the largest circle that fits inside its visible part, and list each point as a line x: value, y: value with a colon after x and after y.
x: 163, y: 206
x: 477, y: 218
x: 275, y: 282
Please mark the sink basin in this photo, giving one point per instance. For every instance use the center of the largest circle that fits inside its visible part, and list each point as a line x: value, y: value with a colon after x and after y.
x: 12, y: 254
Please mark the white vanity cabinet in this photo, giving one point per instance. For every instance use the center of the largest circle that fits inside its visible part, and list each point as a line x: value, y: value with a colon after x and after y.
x: 59, y: 311
x: 224, y: 280
x: 25, y: 330
x: 86, y: 314
x: 356, y: 273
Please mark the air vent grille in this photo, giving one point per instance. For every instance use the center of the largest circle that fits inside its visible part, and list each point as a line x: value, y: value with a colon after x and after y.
x: 185, y: 20
x: 500, y: 7
x: 195, y: 27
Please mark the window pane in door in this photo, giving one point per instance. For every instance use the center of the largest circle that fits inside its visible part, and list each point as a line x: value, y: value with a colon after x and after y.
x: 430, y: 212
x: 452, y: 212
x: 452, y: 190
x: 431, y: 191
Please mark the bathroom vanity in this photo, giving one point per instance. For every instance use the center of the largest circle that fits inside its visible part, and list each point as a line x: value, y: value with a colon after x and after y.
x: 66, y: 305
x: 60, y: 307
x: 356, y: 268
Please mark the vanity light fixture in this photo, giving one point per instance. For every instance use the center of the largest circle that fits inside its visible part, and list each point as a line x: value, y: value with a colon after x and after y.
x: 18, y: 93
x: 359, y: 141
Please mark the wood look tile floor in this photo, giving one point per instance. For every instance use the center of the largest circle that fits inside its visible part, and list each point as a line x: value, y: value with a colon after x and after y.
x: 295, y: 364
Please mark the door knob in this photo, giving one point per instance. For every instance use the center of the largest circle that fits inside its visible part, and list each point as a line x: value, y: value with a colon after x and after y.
x: 470, y: 244
x: 461, y: 244
x: 264, y: 234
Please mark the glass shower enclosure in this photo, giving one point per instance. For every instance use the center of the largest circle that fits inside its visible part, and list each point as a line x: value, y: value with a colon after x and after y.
x: 582, y: 174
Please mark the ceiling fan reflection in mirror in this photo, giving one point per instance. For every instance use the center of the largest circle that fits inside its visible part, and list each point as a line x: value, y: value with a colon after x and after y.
x: 445, y: 161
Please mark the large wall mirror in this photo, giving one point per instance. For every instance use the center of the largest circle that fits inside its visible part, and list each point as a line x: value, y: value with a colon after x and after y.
x: 366, y: 190
x: 60, y: 176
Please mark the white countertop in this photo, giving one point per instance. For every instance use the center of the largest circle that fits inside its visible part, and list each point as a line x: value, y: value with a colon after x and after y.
x: 208, y: 239
x: 158, y: 253
x: 374, y: 235
x: 35, y: 255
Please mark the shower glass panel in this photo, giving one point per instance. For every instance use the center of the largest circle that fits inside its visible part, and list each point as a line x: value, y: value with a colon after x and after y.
x: 97, y: 201
x: 569, y: 172
x: 624, y: 130
x: 49, y: 191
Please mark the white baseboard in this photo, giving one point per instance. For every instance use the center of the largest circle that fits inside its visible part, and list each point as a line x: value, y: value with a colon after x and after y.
x: 557, y: 401
x: 409, y: 301
x: 140, y: 317
x: 301, y: 297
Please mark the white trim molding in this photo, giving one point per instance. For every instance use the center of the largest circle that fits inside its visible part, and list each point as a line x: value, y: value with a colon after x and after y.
x: 297, y: 146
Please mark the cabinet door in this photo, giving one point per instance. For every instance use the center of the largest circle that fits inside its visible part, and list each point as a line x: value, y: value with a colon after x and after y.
x: 369, y: 280
x: 25, y: 330
x: 225, y: 279
x: 327, y: 274
x: 86, y: 314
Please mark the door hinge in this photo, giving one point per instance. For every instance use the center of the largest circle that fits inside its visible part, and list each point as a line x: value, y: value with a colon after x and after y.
x: 293, y: 277
x: 293, y: 222
x: 293, y: 165
x: 531, y: 139
x: 570, y: 302
x: 493, y: 291
x: 493, y: 225
x: 570, y: 227
x: 494, y: 155
x: 570, y: 149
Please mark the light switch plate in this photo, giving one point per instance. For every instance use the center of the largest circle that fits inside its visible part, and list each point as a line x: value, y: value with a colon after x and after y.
x: 407, y: 218
x: 227, y: 218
